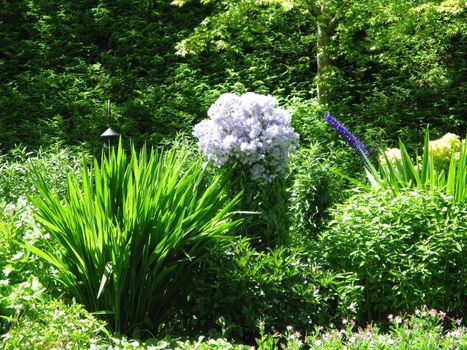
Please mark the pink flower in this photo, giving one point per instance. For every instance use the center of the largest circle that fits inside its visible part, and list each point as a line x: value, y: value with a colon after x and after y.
x: 459, y: 321
x: 442, y: 315
x: 433, y: 312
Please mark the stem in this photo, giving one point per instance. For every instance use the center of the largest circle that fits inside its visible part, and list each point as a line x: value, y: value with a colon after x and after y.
x: 325, y: 26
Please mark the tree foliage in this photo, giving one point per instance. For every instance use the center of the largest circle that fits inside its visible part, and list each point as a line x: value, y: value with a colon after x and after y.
x: 383, y: 66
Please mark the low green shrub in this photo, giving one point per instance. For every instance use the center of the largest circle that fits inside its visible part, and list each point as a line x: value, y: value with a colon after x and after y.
x: 239, y: 287
x: 126, y: 235
x: 16, y: 263
x: 314, y: 189
x: 38, y: 322
x: 406, y: 250
x: 55, y: 162
x: 265, y: 216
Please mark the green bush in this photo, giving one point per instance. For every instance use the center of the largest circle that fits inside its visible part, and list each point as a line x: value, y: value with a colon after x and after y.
x: 265, y: 217
x: 55, y: 162
x: 283, y: 286
x: 314, y: 189
x: 16, y: 263
x: 125, y: 236
x: 406, y: 250
x: 39, y: 322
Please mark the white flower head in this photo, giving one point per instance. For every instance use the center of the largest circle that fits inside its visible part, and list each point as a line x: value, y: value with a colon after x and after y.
x: 249, y: 129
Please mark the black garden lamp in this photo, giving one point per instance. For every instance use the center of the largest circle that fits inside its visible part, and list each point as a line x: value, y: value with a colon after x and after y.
x: 109, y: 136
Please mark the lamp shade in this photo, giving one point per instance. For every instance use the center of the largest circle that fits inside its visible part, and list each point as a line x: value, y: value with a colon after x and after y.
x: 110, y: 138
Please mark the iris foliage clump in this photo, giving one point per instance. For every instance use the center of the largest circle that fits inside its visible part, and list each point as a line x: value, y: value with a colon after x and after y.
x: 124, y: 241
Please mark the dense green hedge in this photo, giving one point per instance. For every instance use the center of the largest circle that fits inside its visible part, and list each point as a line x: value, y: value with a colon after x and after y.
x: 61, y: 62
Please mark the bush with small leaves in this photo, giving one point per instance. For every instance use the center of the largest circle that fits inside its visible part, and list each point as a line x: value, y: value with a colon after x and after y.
x: 406, y: 250
x: 281, y: 286
x: 314, y: 189
x: 38, y: 322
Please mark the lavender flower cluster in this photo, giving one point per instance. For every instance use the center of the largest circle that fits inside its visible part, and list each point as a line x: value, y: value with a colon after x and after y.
x: 249, y: 129
x: 350, y: 138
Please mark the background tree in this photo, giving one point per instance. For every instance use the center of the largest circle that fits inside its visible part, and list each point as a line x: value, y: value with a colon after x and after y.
x: 393, y: 64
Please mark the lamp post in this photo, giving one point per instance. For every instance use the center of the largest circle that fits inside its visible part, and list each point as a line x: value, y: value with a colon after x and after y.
x: 109, y: 136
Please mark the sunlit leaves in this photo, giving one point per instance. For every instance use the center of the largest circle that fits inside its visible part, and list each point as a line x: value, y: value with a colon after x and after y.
x: 127, y: 236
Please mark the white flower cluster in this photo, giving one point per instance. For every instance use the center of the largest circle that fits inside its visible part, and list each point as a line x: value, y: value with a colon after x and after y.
x: 249, y: 129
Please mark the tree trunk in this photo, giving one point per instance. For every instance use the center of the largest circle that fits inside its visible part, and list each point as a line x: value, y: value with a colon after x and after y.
x: 326, y: 26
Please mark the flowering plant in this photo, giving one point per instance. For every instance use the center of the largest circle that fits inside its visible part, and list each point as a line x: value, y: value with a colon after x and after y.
x: 443, y: 165
x: 352, y: 140
x: 251, y: 130
x: 442, y: 148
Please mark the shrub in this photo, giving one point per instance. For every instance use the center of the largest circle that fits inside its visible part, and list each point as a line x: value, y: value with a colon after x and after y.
x: 265, y: 216
x: 252, y: 139
x: 54, y: 162
x: 281, y: 286
x: 39, y: 322
x: 314, y: 189
x: 125, y: 239
x: 406, y: 250
x: 16, y: 263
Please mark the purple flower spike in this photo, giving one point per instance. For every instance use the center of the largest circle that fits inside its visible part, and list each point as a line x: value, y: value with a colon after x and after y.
x: 350, y: 138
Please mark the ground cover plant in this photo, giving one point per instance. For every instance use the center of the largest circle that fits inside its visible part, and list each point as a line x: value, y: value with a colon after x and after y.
x: 421, y: 330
